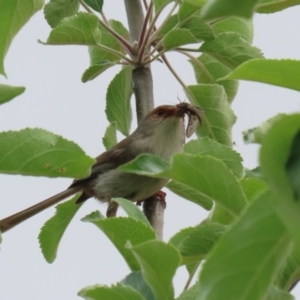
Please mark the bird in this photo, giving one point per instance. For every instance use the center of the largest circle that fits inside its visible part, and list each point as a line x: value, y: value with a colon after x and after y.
x: 161, y: 132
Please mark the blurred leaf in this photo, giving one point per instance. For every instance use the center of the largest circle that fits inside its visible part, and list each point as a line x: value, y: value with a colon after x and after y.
x: 110, y: 136
x: 222, y: 8
x: 258, y: 235
x: 118, y: 100
x: 257, y: 134
x: 14, y: 15
x: 160, y: 4
x: 179, y: 236
x: 230, y: 49
x: 253, y: 188
x: 38, y: 152
x: 121, y: 230
x: 275, y: 293
x: 189, y: 193
x: 119, y: 291
x: 95, y: 70
x: 218, y: 117
x: 241, y: 26
x: 178, y: 37
x: 284, y: 73
x: 271, y: 6
x: 95, y: 4
x: 136, y: 281
x: 53, y: 230
x: 206, y: 146
x: 57, y: 10
x: 132, y: 210
x: 209, y: 70
x: 220, y: 215
x: 81, y: 29
x: 189, y: 294
x: 204, y: 174
x: 98, y: 55
x: 254, y: 173
x: 158, y: 262
x: 8, y: 92
x: 199, y: 29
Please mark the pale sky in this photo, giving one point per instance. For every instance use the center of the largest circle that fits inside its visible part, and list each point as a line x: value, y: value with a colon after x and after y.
x: 56, y: 100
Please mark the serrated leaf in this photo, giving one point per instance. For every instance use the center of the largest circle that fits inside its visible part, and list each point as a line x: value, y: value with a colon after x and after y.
x: 81, y: 29
x: 158, y: 262
x: 119, y: 291
x: 168, y: 26
x: 118, y: 100
x: 132, y: 210
x: 209, y: 70
x: 253, y: 188
x: 178, y: 37
x: 14, y: 15
x: 257, y: 134
x: 258, y: 235
x: 230, y: 49
x: 272, y: 6
x: 121, y: 230
x: 200, y: 241
x: 206, y: 146
x: 160, y: 4
x: 204, y: 173
x: 147, y: 165
x: 107, y: 39
x: 218, y: 116
x: 189, y: 8
x: 199, y: 29
x: 38, y: 152
x: 95, y: 4
x: 136, y: 281
x: 189, y: 193
x: 241, y: 26
x: 110, y: 136
x: 8, y: 92
x: 222, y: 8
x: 284, y: 73
x: 52, y: 231
x: 57, y: 10
x: 95, y: 70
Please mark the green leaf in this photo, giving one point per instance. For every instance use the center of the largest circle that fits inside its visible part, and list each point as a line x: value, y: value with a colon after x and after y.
x: 57, y: 10
x: 189, y: 193
x: 81, y: 29
x: 98, y: 55
x: 53, y: 230
x: 178, y: 37
x: 241, y: 26
x: 148, y: 165
x: 220, y: 215
x: 257, y: 134
x: 132, y: 210
x: 170, y: 24
x: 38, y: 152
x: 136, y: 281
x: 189, y: 294
x: 253, y: 188
x: 271, y: 6
x: 230, y: 49
x: 95, y: 70
x: 284, y: 73
x: 275, y: 293
x: 110, y: 136
x: 222, y: 8
x: 189, y: 8
x: 259, y: 236
x: 209, y: 70
x: 204, y: 174
x: 206, y: 146
x: 158, y: 262
x: 121, y: 230
x: 119, y: 291
x: 160, y: 4
x: 95, y: 4
x: 200, y: 241
x: 176, y: 239
x: 218, y: 117
x: 14, y: 14
x: 199, y: 29
x: 118, y: 100
x: 8, y: 92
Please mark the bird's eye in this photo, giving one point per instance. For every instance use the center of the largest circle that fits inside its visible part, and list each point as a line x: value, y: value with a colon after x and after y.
x: 160, y: 113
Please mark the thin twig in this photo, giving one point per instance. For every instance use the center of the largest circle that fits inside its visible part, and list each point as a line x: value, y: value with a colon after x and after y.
x: 191, y: 277
x: 145, y: 23
x: 100, y: 46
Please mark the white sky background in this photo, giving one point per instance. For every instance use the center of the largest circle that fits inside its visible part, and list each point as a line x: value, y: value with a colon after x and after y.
x: 56, y: 100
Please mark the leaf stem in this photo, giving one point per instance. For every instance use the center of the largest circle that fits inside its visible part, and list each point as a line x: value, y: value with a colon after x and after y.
x: 131, y: 62
x: 191, y: 275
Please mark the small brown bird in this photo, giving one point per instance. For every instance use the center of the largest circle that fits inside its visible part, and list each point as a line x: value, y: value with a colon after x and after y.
x: 161, y: 133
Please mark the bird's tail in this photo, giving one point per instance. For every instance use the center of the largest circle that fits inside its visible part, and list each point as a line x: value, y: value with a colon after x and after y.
x: 25, y: 214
